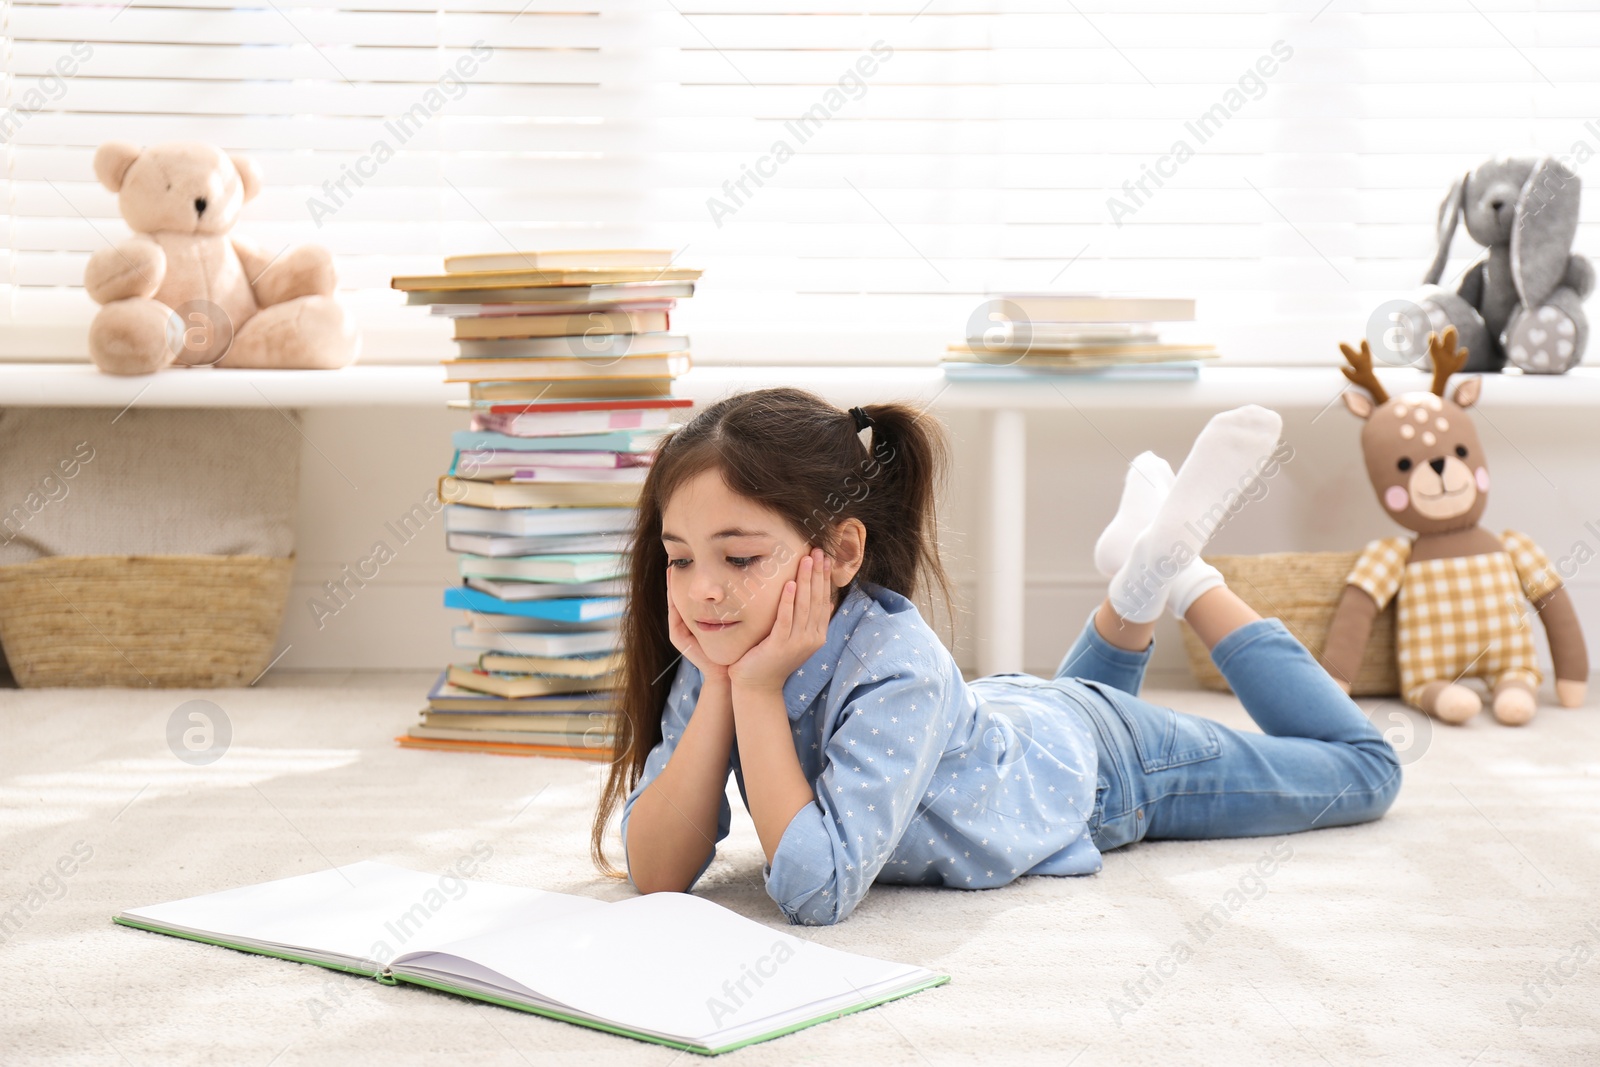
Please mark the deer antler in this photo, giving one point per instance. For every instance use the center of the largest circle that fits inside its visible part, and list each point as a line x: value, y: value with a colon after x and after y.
x: 1446, y: 357
x: 1360, y: 371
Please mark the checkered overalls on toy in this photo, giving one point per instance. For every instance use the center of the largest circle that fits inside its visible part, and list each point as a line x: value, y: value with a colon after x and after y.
x: 1461, y: 616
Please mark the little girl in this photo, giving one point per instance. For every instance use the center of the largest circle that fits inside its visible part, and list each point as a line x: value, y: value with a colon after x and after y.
x: 770, y: 633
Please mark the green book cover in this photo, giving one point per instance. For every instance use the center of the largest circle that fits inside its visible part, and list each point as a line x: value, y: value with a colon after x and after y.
x: 669, y: 968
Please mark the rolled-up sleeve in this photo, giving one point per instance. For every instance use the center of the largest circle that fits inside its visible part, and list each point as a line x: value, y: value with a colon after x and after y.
x: 681, y: 699
x: 879, y: 760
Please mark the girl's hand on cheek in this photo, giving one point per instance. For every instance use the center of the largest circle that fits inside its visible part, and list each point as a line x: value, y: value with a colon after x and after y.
x: 799, y: 630
x: 684, y: 640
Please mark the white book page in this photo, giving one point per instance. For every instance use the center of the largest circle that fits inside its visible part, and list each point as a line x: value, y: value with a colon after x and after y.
x: 671, y: 963
x: 368, y: 912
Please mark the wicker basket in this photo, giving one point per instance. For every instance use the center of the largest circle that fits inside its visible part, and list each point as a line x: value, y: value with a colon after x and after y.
x: 1302, y: 589
x: 140, y: 621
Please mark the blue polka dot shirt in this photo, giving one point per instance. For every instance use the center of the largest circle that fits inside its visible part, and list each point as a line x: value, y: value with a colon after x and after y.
x: 921, y: 778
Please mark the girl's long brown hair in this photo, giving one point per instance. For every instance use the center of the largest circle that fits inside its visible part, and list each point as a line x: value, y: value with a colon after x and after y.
x: 793, y: 452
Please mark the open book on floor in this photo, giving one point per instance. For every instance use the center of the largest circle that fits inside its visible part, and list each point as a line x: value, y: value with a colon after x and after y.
x: 671, y: 968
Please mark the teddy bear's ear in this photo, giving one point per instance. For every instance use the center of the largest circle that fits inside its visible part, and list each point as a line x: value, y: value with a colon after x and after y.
x: 111, y: 163
x: 249, y: 176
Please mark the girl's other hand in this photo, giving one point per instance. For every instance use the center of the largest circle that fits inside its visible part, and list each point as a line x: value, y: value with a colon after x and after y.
x: 684, y: 640
x: 800, y: 628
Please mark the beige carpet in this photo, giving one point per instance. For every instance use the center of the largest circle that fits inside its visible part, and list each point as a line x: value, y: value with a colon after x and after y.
x: 1463, y: 928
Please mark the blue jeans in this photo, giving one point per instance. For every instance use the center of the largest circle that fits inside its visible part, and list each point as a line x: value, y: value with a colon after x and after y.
x: 1167, y: 774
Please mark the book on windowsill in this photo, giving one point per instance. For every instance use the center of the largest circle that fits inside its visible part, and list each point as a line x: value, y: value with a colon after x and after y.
x: 1033, y: 335
x: 1178, y: 369
x: 1099, y: 307
x: 1034, y: 351
x: 697, y: 976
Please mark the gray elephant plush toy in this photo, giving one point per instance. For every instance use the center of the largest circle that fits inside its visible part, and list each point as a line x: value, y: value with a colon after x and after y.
x: 1522, y: 300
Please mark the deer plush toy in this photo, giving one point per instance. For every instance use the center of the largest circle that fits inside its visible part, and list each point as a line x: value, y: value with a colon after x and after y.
x: 1458, y: 588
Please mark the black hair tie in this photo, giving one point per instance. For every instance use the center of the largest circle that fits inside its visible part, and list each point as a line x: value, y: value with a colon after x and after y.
x: 863, y: 420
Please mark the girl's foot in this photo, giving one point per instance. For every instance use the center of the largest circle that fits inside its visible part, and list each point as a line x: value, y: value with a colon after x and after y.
x: 1226, y: 459
x: 1148, y: 480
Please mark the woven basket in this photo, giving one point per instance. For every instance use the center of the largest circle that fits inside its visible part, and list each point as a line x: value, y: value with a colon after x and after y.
x: 141, y: 621
x: 1302, y: 589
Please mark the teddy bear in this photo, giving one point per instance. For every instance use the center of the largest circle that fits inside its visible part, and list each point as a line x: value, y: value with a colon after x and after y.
x: 183, y: 291
x: 1458, y: 588
x: 1522, y: 300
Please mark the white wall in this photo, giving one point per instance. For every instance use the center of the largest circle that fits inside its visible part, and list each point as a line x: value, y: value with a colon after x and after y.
x: 362, y: 469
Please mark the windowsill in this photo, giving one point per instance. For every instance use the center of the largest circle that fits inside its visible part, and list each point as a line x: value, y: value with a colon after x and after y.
x: 369, y: 385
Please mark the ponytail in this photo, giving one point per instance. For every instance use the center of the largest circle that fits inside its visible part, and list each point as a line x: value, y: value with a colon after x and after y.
x: 908, y: 456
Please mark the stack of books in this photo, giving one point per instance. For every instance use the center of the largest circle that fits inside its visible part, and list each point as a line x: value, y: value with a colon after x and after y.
x: 1023, y: 335
x: 570, y: 361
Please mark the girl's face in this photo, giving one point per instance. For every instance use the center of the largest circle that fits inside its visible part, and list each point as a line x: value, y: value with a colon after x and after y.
x: 728, y: 558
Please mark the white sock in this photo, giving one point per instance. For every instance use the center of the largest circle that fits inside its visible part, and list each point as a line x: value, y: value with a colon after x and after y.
x: 1225, y: 460
x: 1148, y: 479
x: 1195, y: 578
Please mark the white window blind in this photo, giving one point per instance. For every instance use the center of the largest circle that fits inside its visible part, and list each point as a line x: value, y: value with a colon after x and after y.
x: 932, y: 153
